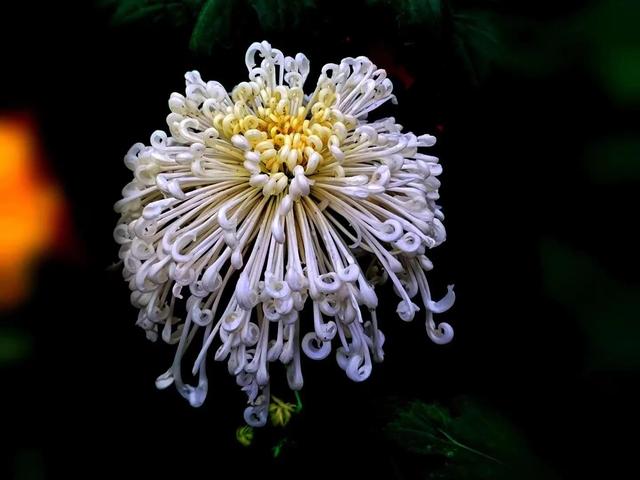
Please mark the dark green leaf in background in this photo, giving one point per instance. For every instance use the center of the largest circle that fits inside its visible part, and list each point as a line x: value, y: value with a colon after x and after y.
x: 606, y: 308
x: 175, y: 12
x: 474, y: 443
x: 15, y: 346
x: 476, y: 41
x: 212, y: 25
x: 414, y: 12
x: 29, y: 465
x: 612, y: 34
x: 472, y: 34
x: 276, y: 15
x: 614, y: 159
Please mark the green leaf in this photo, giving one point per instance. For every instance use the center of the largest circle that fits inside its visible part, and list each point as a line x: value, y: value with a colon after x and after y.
x: 614, y: 159
x: 607, y: 308
x: 476, y: 443
x: 277, y: 448
x: 15, y: 346
x: 413, y: 12
x: 269, y: 12
x: 29, y: 464
x: 476, y: 40
x: 130, y: 11
x: 421, y: 12
x: 280, y: 14
x: 212, y: 25
x: 610, y: 29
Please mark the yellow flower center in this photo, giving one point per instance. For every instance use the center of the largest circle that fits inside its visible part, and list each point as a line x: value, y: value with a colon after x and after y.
x: 281, y: 130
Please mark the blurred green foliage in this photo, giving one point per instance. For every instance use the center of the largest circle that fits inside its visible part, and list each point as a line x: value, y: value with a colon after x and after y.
x: 477, y: 42
x: 472, y: 33
x: 601, y: 38
x: 280, y: 14
x: 474, y: 443
x: 210, y: 20
x: 178, y: 12
x: 613, y: 159
x: 611, y: 32
x: 277, y: 449
x: 28, y: 464
x: 413, y: 12
x: 607, y: 309
x: 212, y: 24
x: 15, y: 346
x: 244, y: 435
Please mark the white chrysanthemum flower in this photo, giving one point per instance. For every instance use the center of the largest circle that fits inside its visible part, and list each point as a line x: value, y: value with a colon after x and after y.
x: 265, y: 200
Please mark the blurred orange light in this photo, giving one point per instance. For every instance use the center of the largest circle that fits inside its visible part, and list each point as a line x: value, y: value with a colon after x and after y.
x: 30, y: 206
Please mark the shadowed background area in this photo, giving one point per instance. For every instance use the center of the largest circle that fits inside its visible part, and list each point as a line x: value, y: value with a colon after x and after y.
x: 535, y: 108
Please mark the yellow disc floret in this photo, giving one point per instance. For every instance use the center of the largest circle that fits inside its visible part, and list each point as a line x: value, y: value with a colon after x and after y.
x: 279, y: 131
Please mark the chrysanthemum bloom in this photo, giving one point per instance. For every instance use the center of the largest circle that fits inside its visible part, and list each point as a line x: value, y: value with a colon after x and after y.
x: 264, y: 201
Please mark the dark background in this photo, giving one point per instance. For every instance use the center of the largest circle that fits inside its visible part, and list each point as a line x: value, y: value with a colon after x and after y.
x: 539, y: 147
